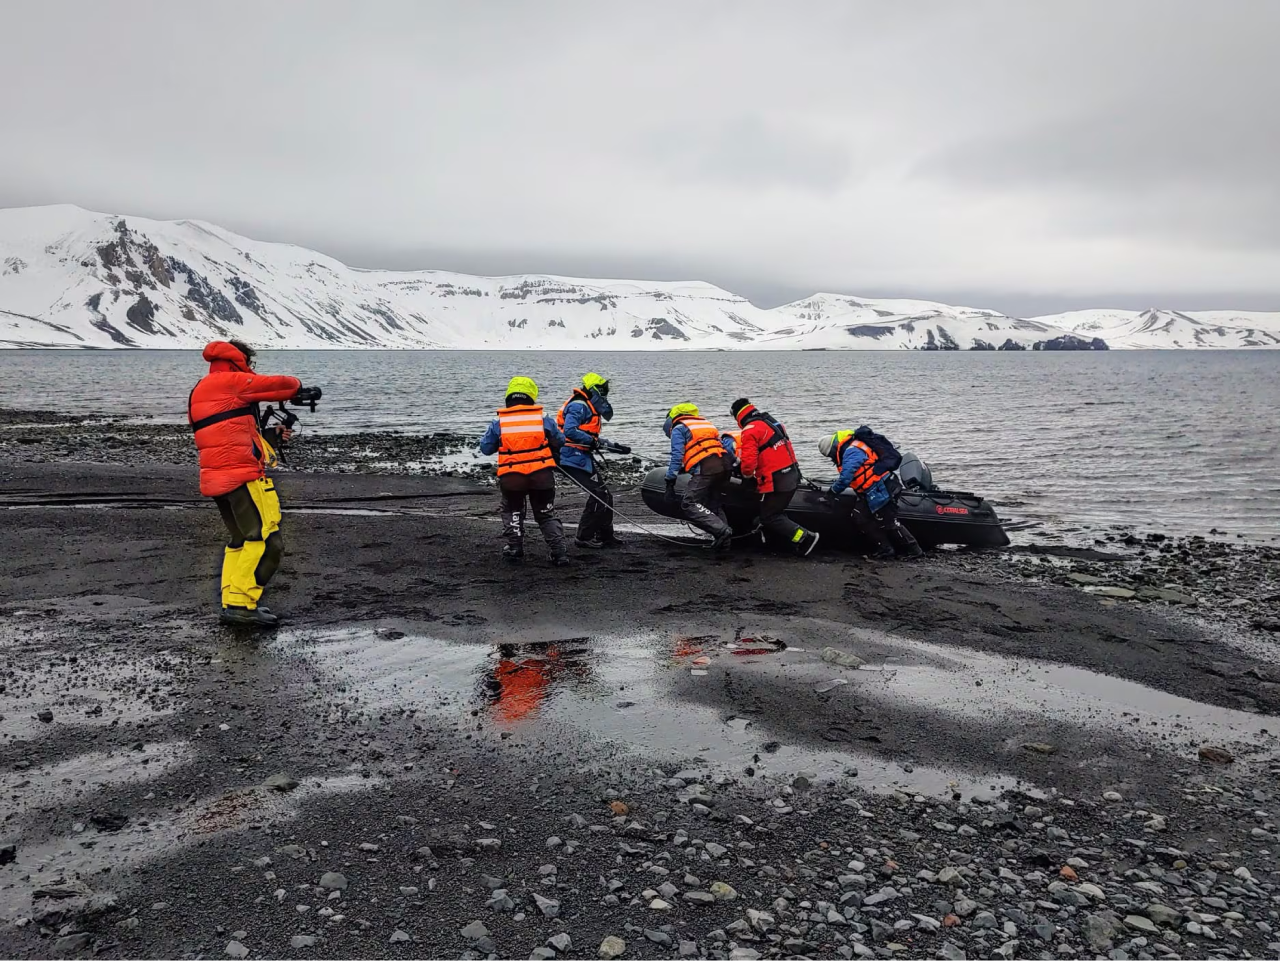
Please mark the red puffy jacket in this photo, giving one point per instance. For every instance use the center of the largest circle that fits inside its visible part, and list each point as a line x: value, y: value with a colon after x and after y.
x: 765, y: 447
x: 230, y: 450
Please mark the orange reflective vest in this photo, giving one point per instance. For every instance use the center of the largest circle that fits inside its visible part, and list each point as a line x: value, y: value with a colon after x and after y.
x: 866, y: 475
x: 704, y: 441
x: 591, y: 426
x: 524, y: 447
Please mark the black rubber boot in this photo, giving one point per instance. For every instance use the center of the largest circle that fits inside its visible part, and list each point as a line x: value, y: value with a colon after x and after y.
x: 723, y: 541
x: 513, y: 555
x: 243, y: 617
x: 806, y: 544
x: 560, y: 560
x: 612, y: 541
x: 579, y: 542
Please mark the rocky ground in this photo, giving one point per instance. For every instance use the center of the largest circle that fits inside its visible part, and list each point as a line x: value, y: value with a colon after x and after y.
x: 653, y: 753
x: 40, y: 436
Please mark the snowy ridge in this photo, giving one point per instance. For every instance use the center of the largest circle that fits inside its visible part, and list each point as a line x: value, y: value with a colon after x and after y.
x: 1172, y: 329
x: 74, y: 278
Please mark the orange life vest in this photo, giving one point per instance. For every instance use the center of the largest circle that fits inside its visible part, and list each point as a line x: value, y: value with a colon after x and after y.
x: 736, y: 437
x: 591, y: 426
x: 704, y: 441
x: 523, y: 448
x: 866, y: 475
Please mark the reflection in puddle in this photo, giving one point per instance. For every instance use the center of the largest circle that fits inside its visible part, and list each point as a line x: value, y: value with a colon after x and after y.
x: 521, y: 677
x: 605, y: 691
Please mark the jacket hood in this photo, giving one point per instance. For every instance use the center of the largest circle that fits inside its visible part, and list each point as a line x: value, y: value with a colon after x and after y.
x: 224, y: 356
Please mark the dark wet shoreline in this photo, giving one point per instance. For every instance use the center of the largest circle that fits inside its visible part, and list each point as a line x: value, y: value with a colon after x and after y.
x: 110, y: 605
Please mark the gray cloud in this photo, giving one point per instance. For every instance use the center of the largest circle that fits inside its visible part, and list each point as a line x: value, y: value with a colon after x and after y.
x: 1019, y: 151
x: 751, y: 151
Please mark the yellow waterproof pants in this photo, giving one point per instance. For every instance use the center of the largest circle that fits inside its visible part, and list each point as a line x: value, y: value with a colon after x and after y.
x: 251, y: 513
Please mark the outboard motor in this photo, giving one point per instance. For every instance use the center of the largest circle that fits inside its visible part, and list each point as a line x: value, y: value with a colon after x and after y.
x: 914, y: 473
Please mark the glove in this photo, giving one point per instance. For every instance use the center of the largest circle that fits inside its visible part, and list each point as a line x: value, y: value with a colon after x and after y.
x: 671, y: 489
x: 621, y: 449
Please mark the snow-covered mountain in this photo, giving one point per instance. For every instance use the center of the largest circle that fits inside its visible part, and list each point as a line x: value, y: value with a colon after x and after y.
x: 1174, y: 329
x: 835, y: 321
x: 73, y: 278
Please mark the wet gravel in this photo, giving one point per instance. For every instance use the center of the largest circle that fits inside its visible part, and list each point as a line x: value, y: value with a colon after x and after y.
x: 39, y: 436
x: 172, y: 788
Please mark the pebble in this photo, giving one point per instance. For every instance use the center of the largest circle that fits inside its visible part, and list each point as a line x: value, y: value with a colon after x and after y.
x: 611, y: 947
x: 280, y: 782
x: 235, y: 949
x: 722, y: 891
x: 333, y: 881
x: 549, y: 907
x: 561, y: 942
x: 475, y: 931
x: 73, y: 943
x: 398, y: 935
x: 302, y: 941
x: 841, y: 658
x: 1139, y: 923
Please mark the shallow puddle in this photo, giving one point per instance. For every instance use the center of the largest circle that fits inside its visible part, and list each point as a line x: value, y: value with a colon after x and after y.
x: 51, y: 786
x: 88, y: 864
x: 611, y: 692
x: 988, y: 687
x: 45, y: 690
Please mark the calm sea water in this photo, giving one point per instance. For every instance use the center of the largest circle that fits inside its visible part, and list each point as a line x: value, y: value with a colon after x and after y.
x: 1175, y: 441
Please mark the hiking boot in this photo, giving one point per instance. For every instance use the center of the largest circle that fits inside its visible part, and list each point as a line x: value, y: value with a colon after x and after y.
x: 612, y: 542
x: 579, y: 542
x: 560, y: 560
x: 806, y: 544
x: 243, y: 617
x: 513, y: 555
x: 884, y: 554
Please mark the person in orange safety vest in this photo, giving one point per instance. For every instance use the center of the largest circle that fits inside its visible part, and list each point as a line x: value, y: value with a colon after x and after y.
x: 527, y: 442
x: 699, y: 450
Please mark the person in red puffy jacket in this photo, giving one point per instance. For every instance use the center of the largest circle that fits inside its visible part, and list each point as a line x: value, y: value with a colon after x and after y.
x: 766, y: 456
x: 234, y: 457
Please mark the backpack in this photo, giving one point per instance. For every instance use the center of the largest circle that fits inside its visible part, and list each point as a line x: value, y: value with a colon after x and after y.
x: 887, y: 456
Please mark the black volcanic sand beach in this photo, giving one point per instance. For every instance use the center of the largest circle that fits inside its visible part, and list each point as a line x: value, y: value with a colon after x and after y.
x: 652, y: 753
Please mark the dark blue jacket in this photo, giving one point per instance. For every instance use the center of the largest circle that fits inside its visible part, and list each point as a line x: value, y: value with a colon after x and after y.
x: 575, y: 415
x: 492, y: 438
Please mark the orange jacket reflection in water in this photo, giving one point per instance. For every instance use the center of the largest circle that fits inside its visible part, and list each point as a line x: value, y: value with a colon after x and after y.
x: 522, y: 687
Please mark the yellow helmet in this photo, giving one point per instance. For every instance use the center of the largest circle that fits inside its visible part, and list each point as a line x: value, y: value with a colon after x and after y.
x: 593, y: 380
x: 681, y: 409
x: 523, y: 385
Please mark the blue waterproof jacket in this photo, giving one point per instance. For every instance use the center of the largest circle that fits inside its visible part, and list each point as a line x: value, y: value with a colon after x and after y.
x: 680, y: 437
x: 853, y: 459
x: 575, y: 415
x: 492, y: 438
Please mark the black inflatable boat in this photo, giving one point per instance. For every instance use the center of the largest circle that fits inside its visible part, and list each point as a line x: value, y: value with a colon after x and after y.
x: 934, y: 516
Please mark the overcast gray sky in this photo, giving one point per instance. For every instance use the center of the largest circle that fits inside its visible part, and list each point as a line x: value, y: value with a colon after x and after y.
x: 1030, y: 156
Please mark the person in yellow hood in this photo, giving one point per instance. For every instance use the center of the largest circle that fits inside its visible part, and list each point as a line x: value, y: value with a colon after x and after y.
x: 527, y: 443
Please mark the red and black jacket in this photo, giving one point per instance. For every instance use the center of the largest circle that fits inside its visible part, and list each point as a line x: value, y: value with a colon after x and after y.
x: 766, y: 452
